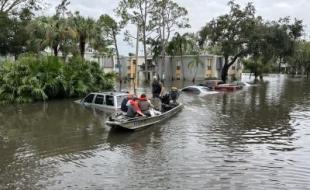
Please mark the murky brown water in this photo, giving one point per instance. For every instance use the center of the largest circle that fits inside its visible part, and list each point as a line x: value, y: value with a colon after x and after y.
x: 257, y: 138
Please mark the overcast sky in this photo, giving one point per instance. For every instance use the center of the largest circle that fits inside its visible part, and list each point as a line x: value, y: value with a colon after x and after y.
x: 199, y: 11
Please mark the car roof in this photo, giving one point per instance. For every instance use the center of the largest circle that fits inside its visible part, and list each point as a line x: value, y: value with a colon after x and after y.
x: 112, y: 93
x: 196, y: 86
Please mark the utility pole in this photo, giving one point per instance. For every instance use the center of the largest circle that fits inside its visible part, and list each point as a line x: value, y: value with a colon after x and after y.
x: 137, y: 52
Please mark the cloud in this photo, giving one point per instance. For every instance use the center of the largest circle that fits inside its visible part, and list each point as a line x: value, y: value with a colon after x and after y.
x: 199, y: 11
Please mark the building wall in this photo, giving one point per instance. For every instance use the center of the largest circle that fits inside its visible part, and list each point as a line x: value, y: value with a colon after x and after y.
x: 210, y: 67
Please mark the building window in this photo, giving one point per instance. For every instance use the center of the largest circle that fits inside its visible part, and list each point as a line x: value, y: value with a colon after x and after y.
x: 178, y: 67
x: 128, y: 67
x: 134, y: 62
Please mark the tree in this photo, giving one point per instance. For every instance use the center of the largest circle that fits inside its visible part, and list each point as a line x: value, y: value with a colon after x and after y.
x: 12, y: 6
x: 272, y: 42
x: 194, y: 65
x: 54, y: 32
x: 300, y: 60
x: 110, y: 29
x: 13, y: 35
x: 179, y: 45
x: 166, y: 17
x: 85, y: 30
x: 5, y: 24
x: 231, y: 33
x: 155, y: 49
x: 283, y: 38
x: 138, y: 12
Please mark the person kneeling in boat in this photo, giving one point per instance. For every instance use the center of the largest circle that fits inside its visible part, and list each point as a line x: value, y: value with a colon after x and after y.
x: 133, y: 108
x: 145, y: 105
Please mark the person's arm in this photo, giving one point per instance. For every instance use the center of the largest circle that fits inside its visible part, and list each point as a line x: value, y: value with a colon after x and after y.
x: 140, y: 113
x: 151, y: 105
x: 162, y: 90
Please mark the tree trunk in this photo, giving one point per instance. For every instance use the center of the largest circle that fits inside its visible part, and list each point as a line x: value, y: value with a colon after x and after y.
x: 145, y: 56
x: 195, y: 75
x: 82, y: 46
x: 118, y: 62
x: 144, y: 41
x: 182, y: 64
x: 225, y: 70
x: 55, y: 50
x: 227, y: 64
x: 137, y: 52
x: 163, y: 52
x: 255, y: 76
x: 171, y: 67
x: 261, y: 77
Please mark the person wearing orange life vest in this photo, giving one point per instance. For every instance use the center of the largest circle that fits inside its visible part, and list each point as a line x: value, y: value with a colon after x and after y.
x: 145, y: 105
x: 133, y: 108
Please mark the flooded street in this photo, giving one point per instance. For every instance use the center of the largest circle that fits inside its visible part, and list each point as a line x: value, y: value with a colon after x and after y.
x: 256, y: 138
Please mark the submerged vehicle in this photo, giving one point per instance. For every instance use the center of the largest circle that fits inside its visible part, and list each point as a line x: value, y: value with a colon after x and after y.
x: 199, y: 90
x: 122, y: 121
x: 108, y: 101
x: 228, y: 87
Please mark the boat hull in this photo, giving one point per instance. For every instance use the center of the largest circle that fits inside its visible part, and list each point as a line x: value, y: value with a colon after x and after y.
x: 142, y: 122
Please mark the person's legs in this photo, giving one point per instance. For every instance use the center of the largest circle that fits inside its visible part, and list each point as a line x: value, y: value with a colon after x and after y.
x: 157, y: 103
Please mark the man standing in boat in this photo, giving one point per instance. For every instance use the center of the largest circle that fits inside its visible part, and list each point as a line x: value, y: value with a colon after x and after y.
x: 157, y: 92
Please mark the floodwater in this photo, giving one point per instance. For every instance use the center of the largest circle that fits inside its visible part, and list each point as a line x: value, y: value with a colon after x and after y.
x: 256, y: 138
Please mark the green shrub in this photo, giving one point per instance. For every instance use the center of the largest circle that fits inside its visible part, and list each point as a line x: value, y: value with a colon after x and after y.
x: 38, y: 78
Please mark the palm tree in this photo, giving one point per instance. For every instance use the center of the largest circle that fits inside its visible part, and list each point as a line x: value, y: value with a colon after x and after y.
x: 194, y: 65
x: 53, y: 32
x: 171, y: 50
x: 85, y: 30
x: 179, y: 45
x: 182, y: 44
x: 108, y: 30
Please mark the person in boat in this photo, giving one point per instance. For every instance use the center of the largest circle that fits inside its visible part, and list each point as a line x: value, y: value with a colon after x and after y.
x: 169, y: 100
x: 145, y: 105
x: 157, y: 88
x: 157, y: 92
x: 133, y: 108
x: 124, y: 106
x: 174, y: 95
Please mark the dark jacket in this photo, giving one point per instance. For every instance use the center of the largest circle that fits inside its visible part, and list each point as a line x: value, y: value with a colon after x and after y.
x: 124, y: 107
x: 156, y: 88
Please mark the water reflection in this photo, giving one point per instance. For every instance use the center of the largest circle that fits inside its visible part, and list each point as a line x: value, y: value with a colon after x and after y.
x: 256, y: 138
